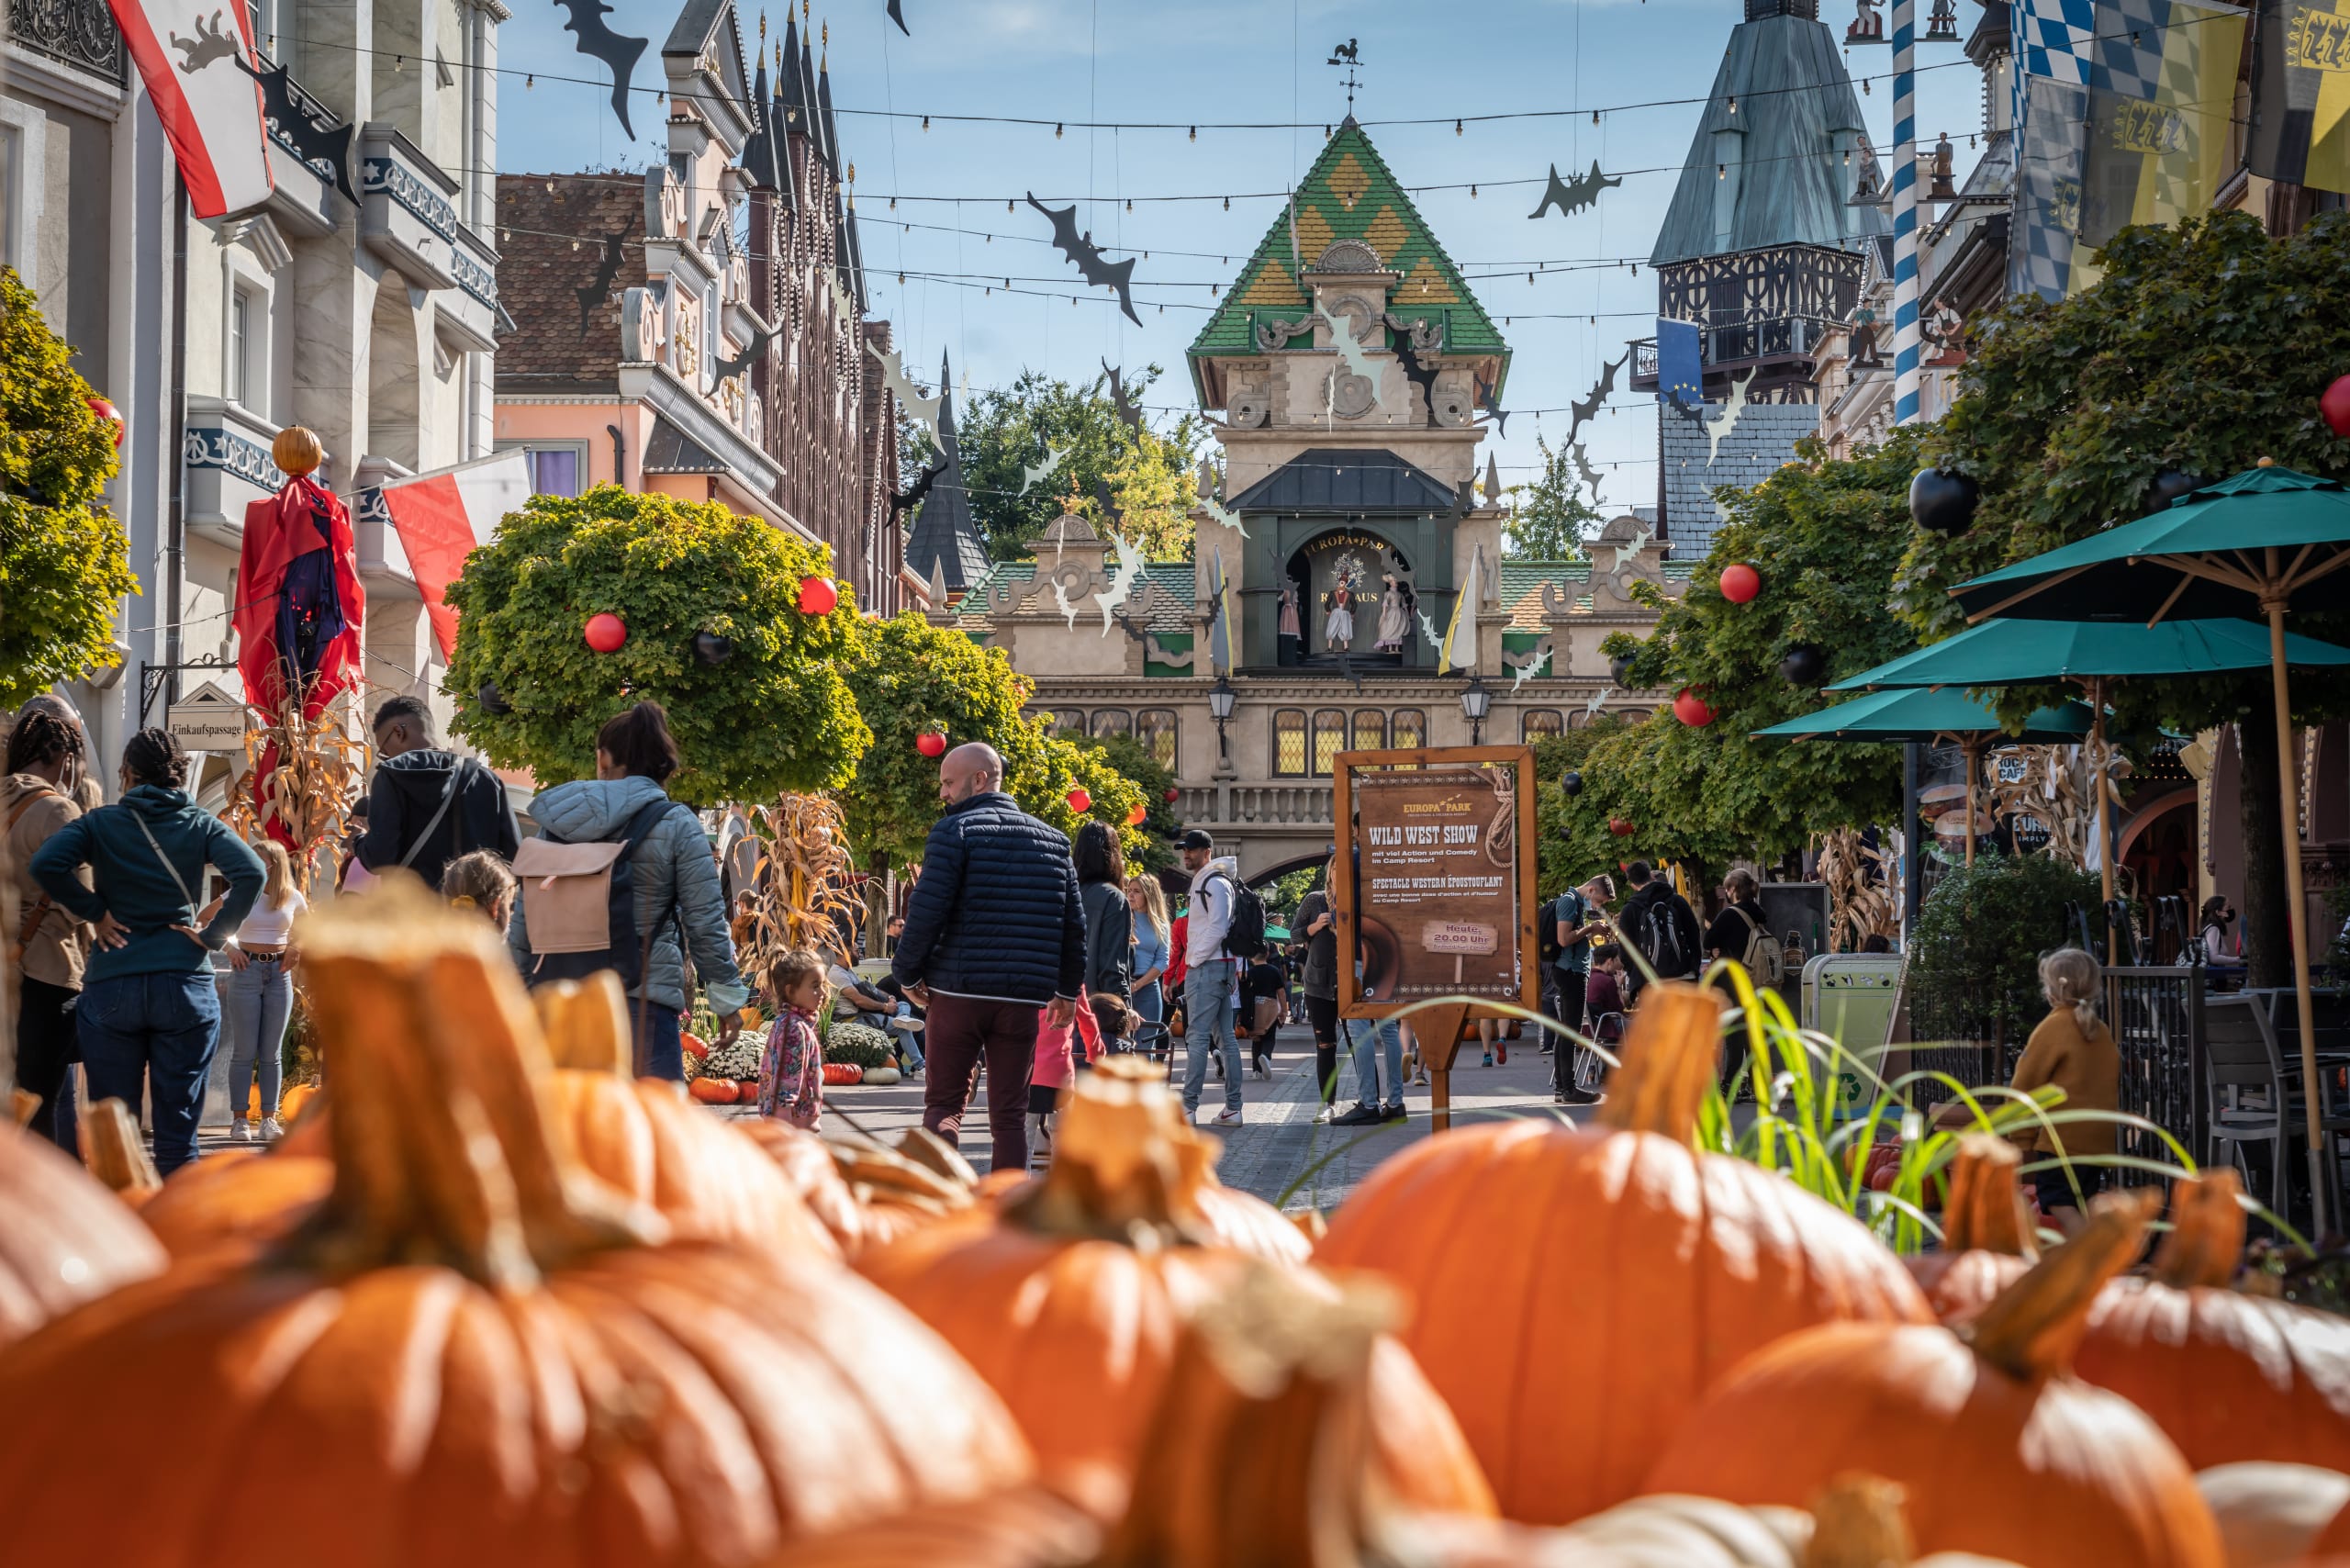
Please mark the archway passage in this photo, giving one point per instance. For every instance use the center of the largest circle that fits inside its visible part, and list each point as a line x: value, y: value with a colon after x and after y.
x: 1348, y: 591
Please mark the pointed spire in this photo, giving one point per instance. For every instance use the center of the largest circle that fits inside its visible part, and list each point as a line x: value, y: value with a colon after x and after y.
x: 937, y: 585
x: 825, y: 110
x: 1493, y: 481
x: 808, y: 112
x: 762, y: 155
x: 946, y: 410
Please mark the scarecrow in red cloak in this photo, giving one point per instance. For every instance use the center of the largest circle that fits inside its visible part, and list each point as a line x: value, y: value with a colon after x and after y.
x: 298, y: 613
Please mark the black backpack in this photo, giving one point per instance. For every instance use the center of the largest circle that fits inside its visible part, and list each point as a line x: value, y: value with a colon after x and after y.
x: 1247, y: 937
x: 625, y: 950
x: 1553, y: 916
x: 1659, y: 938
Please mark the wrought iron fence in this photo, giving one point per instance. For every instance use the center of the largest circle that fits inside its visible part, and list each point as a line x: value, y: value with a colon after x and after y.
x: 2156, y: 1016
x: 79, y: 33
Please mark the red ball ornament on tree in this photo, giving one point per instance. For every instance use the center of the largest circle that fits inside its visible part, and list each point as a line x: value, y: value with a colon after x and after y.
x: 1741, y: 583
x: 2335, y: 406
x: 1620, y: 826
x: 1134, y: 818
x: 1692, y: 709
x: 1079, y: 802
x: 606, y: 632
x: 111, y: 414
x: 930, y: 743
x: 818, y: 596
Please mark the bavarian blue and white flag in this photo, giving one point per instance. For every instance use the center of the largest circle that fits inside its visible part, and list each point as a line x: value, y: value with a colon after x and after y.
x: 2162, y: 98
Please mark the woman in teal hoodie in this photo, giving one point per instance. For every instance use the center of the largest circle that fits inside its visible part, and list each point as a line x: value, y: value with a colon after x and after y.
x: 149, y: 1010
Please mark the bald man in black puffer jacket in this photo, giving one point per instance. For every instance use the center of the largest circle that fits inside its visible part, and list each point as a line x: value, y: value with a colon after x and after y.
x: 994, y: 931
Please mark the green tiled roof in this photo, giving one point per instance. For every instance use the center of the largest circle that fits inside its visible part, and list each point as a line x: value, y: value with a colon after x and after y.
x: 1349, y: 194
x: 1174, y: 580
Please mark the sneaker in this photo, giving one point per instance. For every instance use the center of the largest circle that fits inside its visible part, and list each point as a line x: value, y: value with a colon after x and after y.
x: 1361, y: 1116
x: 1322, y: 1116
x: 1395, y: 1113
x: 1226, y: 1117
x: 1502, y: 1052
x: 270, y: 1131
x: 1489, y: 1060
x: 240, y: 1131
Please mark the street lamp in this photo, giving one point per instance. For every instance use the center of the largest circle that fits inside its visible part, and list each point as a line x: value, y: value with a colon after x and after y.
x: 1220, y: 701
x: 1475, y: 704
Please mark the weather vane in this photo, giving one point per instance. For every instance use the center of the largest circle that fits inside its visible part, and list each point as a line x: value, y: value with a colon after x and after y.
x: 1348, y: 55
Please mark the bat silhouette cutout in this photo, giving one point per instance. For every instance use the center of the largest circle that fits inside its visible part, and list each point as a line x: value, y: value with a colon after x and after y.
x: 1586, y: 410
x: 1231, y: 519
x: 1629, y: 551
x: 1060, y: 598
x: 1693, y: 411
x: 1128, y: 412
x: 1428, y: 630
x: 599, y: 288
x: 1343, y: 338
x: 921, y: 410
x: 304, y: 125
x: 1417, y: 371
x: 1054, y: 456
x: 1080, y: 249
x: 215, y: 43
x: 1721, y: 425
x: 1591, y: 709
x: 1590, y: 478
x: 899, y: 17
x: 743, y: 360
x: 1112, y: 512
x: 597, y: 41
x: 1122, y: 581
x: 1534, y: 662
x: 1495, y: 416
x: 1571, y: 197
x: 900, y: 499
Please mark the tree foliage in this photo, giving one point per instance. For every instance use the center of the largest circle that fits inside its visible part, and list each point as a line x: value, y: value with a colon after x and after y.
x: 1550, y: 520
x: 1149, y: 477
x: 1161, y: 822
x: 64, y: 561
x: 775, y: 715
x: 1975, y: 970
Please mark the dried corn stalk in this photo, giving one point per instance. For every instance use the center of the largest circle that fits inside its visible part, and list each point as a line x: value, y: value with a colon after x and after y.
x: 319, y: 773
x: 1861, y: 894
x: 2057, y: 787
x: 807, y: 882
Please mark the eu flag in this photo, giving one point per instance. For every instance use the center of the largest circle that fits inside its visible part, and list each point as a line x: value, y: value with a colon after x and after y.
x: 1680, y: 364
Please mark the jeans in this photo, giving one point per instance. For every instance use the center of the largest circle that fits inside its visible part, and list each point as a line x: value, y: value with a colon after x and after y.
x: 1207, y: 1017
x: 1322, y: 1012
x: 162, y: 1029
x: 962, y: 1030
x: 46, y: 1053
x: 261, y: 997
x: 1369, y: 1035
x: 661, y: 1038
x: 1572, y: 1065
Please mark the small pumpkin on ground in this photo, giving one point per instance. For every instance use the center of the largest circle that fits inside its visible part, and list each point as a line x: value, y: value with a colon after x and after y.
x: 1579, y: 1289
x: 1988, y: 1239
x: 294, y: 1102
x: 116, y: 1153
x: 2001, y: 1451
x: 64, y: 1239
x: 2271, y: 1514
x: 238, y: 1204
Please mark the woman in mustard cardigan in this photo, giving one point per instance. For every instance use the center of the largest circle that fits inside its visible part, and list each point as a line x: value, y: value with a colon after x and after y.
x: 2074, y: 1050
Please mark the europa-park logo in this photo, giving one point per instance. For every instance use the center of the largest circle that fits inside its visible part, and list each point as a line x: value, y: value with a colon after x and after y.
x: 1450, y: 806
x: 2318, y: 41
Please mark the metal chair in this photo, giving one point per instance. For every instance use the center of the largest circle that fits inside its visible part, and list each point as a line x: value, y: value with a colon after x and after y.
x: 2241, y: 1062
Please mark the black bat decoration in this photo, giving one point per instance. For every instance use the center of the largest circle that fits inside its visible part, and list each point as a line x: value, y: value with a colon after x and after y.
x: 1571, y: 197
x: 1497, y: 417
x: 743, y: 360
x: 303, y: 126
x: 1080, y: 249
x: 594, y: 294
x: 1420, y: 375
x: 900, y: 499
x: 597, y: 41
x: 900, y: 17
x: 1694, y: 412
x: 1114, y: 514
x: 1127, y: 411
x: 1582, y: 467
x: 1586, y: 410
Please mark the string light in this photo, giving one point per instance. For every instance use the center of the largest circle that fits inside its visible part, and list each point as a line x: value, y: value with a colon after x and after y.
x: 1472, y: 193
x: 1056, y: 132
x: 529, y: 83
x: 1733, y: 103
x: 1721, y: 171
x: 1456, y: 128
x: 925, y: 122
x: 1195, y: 135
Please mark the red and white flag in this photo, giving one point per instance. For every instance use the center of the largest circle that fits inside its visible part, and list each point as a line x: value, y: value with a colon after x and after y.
x: 198, y: 60
x: 443, y: 516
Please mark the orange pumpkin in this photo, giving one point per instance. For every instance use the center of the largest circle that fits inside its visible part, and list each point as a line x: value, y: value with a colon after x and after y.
x: 297, y: 451
x: 714, y: 1090
x: 808, y: 1166
x: 2001, y: 1451
x: 477, y: 1354
x: 64, y: 1239
x: 2269, y: 1514
x: 1579, y: 1289
x: 1246, y: 1223
x: 2229, y: 1376
x: 294, y: 1102
x: 116, y: 1153
x: 2331, y: 1544
x: 1988, y: 1239
x: 842, y: 1072
x: 237, y: 1203
x: 1092, y: 1269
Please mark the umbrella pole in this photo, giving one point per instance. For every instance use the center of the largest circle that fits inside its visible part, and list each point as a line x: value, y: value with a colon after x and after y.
x: 2104, y: 839
x: 1974, y: 775
x: 2297, y: 910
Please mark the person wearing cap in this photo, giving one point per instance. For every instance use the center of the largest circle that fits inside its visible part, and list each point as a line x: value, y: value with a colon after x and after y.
x: 1209, y: 972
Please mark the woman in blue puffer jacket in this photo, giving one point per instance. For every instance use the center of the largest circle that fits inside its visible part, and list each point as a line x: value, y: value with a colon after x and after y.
x: 675, y: 878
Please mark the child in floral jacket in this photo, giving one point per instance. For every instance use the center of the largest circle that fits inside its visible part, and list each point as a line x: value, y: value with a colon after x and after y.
x: 792, y: 1068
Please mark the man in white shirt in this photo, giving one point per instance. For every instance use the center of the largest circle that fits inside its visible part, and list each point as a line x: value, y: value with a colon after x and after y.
x: 1210, y: 974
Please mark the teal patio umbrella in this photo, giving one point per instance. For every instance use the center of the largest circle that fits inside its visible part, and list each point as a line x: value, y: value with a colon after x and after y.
x: 1937, y: 717
x: 2265, y: 542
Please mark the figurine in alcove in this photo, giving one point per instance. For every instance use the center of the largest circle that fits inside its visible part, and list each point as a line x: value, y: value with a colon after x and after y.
x: 1338, y: 622
x: 1292, y: 633
x: 1397, y: 606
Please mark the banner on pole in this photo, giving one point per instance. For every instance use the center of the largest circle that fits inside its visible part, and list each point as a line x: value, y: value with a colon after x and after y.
x: 440, y: 517
x: 2301, y: 95
x: 201, y: 72
x: 2162, y: 94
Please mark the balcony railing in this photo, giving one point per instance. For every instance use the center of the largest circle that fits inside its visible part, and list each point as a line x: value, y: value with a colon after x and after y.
x: 79, y: 33
x: 1302, y: 804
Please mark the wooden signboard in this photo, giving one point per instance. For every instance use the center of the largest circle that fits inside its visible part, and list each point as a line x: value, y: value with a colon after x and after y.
x: 1436, y: 892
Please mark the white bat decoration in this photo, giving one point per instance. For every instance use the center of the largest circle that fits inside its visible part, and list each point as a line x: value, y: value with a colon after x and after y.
x: 1428, y: 630
x: 922, y: 410
x: 1342, y: 338
x: 1060, y: 598
x: 1231, y: 519
x: 1525, y: 671
x: 1122, y: 581
x: 1720, y: 427
x: 1591, y: 709
x: 844, y: 302
x: 1054, y: 456
x: 1629, y: 551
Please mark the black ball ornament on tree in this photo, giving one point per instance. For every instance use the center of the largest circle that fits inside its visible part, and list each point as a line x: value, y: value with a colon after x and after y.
x: 1804, y: 665
x: 494, y: 701
x: 1944, y: 502
x: 1571, y: 784
x: 1620, y: 670
x: 2169, y: 486
x: 712, y: 649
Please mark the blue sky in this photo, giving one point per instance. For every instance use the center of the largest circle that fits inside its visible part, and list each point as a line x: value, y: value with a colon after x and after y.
x: 1196, y: 61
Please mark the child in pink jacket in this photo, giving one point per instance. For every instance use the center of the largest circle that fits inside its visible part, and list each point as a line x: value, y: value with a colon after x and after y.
x: 1054, y: 1068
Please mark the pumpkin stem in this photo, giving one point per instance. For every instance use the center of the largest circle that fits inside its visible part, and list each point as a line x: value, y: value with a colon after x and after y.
x: 1856, y: 1523
x: 1985, y: 1211
x: 585, y: 1023
x: 1125, y: 1162
x: 2031, y: 1328
x: 115, y: 1153
x: 441, y: 1153
x: 2206, y: 1239
x: 1669, y: 1062
x: 1266, y: 1411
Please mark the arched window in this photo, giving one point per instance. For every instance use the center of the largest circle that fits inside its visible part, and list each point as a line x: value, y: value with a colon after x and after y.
x: 1541, y: 724
x: 1289, y: 742
x: 1408, y: 728
x: 1154, y: 727
x: 1110, y: 721
x: 1068, y: 722
x: 1370, y: 731
x: 1329, y: 738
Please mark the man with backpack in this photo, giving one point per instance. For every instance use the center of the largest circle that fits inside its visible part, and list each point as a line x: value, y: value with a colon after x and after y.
x: 1661, y: 927
x: 1226, y: 930
x: 1742, y: 933
x: 428, y: 806
x: 1577, y: 916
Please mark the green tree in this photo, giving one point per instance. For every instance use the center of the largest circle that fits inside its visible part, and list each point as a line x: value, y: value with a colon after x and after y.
x: 1548, y: 519
x: 1002, y: 432
x: 64, y: 561
x: 775, y: 715
x: 1161, y: 823
x: 2204, y: 348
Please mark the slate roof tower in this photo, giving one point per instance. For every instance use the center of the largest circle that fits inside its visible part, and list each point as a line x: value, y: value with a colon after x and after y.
x: 945, y: 546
